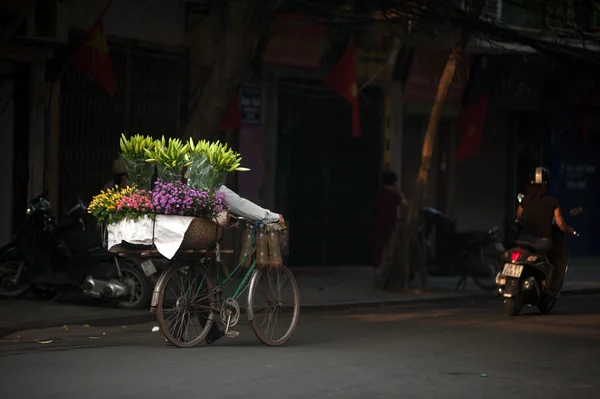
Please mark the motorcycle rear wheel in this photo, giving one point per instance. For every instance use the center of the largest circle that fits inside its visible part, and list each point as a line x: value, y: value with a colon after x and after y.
x: 547, y: 305
x: 514, y: 305
x: 139, y: 286
x: 488, y: 283
x: 9, y: 264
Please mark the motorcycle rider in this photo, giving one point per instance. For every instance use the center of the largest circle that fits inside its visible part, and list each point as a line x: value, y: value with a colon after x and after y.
x: 536, y: 212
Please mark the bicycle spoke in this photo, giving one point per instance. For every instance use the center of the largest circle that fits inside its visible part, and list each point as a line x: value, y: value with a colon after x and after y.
x: 184, y: 311
x: 272, y: 287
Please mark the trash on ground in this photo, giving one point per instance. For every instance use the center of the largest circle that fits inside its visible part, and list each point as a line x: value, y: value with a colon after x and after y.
x: 155, y: 329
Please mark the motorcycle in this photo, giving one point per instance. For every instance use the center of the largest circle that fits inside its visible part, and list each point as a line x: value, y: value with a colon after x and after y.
x: 474, y: 254
x: 534, y: 272
x: 48, y: 259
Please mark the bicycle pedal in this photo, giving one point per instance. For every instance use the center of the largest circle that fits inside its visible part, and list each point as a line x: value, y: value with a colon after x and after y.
x: 232, y: 334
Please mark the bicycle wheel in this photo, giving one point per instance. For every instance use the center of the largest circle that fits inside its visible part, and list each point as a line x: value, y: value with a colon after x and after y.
x: 268, y: 298
x: 185, y: 295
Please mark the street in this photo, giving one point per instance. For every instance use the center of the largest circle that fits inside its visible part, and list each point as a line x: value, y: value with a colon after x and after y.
x: 460, y: 349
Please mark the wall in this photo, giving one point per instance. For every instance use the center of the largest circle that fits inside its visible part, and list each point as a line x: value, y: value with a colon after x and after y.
x: 6, y: 161
x: 37, y: 129
x: 397, y: 120
x: 157, y: 21
x: 485, y: 188
x: 481, y: 189
x: 251, y: 147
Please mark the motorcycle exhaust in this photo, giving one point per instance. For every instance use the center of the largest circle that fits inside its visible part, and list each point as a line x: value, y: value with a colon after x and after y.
x: 103, y: 289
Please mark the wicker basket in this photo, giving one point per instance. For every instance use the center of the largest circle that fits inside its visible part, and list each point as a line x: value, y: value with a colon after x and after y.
x: 202, y: 234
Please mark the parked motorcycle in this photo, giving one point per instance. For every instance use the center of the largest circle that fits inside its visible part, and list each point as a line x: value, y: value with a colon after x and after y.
x: 529, y: 276
x: 48, y: 258
x: 474, y: 254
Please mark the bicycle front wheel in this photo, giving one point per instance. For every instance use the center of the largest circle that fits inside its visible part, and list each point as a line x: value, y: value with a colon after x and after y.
x: 273, y: 305
x: 186, y: 296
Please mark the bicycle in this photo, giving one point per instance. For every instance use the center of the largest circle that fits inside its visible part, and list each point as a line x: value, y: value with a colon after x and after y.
x: 199, y: 298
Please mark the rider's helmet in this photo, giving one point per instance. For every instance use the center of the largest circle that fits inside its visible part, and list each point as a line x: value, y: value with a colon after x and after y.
x: 540, y: 176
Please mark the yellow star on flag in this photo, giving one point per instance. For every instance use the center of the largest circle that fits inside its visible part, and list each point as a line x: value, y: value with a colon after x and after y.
x: 353, y: 90
x: 98, y: 41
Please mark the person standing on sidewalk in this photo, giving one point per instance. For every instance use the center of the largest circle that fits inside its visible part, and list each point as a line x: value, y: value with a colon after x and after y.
x: 389, y: 205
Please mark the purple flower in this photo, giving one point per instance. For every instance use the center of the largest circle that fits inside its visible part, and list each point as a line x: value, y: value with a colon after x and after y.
x: 175, y: 198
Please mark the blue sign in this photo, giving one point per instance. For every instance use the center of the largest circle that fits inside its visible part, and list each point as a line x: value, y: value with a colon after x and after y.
x: 575, y: 180
x: 251, y: 104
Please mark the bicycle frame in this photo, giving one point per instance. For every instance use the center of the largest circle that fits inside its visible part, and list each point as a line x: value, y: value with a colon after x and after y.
x: 242, y: 286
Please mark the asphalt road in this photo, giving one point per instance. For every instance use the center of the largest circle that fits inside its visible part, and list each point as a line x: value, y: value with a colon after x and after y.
x: 464, y: 349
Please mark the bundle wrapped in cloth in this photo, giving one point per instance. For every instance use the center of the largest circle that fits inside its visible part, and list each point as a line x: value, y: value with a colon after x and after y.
x: 168, y: 233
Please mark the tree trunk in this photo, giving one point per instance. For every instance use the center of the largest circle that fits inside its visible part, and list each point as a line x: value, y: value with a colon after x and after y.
x: 415, y: 219
x: 236, y: 35
x: 408, y: 242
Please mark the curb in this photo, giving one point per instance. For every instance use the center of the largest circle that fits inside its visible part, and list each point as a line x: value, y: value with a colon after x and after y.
x: 581, y: 291
x: 396, y: 302
x: 145, y: 317
x: 99, y: 322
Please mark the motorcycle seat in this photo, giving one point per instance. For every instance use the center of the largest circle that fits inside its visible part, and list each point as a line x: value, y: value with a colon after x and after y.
x: 475, y: 236
x: 536, y: 244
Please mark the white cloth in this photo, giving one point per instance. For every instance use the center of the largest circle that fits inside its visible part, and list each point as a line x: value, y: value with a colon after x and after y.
x: 247, y: 209
x: 169, y: 231
x: 166, y: 233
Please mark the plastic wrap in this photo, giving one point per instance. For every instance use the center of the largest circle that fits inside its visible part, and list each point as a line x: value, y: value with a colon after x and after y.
x: 275, y: 259
x: 167, y: 175
x: 262, y: 254
x: 284, y: 240
x: 140, y: 172
x: 246, y: 248
x: 211, y: 178
x: 196, y: 170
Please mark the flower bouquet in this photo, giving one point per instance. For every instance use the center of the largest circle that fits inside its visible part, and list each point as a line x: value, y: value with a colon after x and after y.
x: 133, y: 152
x: 172, y: 215
x: 210, y: 163
x: 170, y: 158
x: 127, y: 206
x: 207, y: 208
x: 106, y: 207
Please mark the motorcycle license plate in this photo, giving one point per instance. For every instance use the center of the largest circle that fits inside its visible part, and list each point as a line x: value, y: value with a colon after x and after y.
x: 511, y: 270
x: 148, y: 268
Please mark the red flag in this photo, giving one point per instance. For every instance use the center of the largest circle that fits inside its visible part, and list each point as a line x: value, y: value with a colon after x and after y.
x: 233, y: 114
x: 92, y: 57
x: 470, y: 126
x: 582, y: 114
x: 342, y: 79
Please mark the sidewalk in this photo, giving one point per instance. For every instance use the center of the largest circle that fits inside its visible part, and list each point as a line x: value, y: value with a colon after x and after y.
x: 320, y: 288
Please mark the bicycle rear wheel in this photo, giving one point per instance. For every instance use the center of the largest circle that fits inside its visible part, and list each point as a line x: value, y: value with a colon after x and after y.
x: 186, y: 294
x: 273, y: 295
